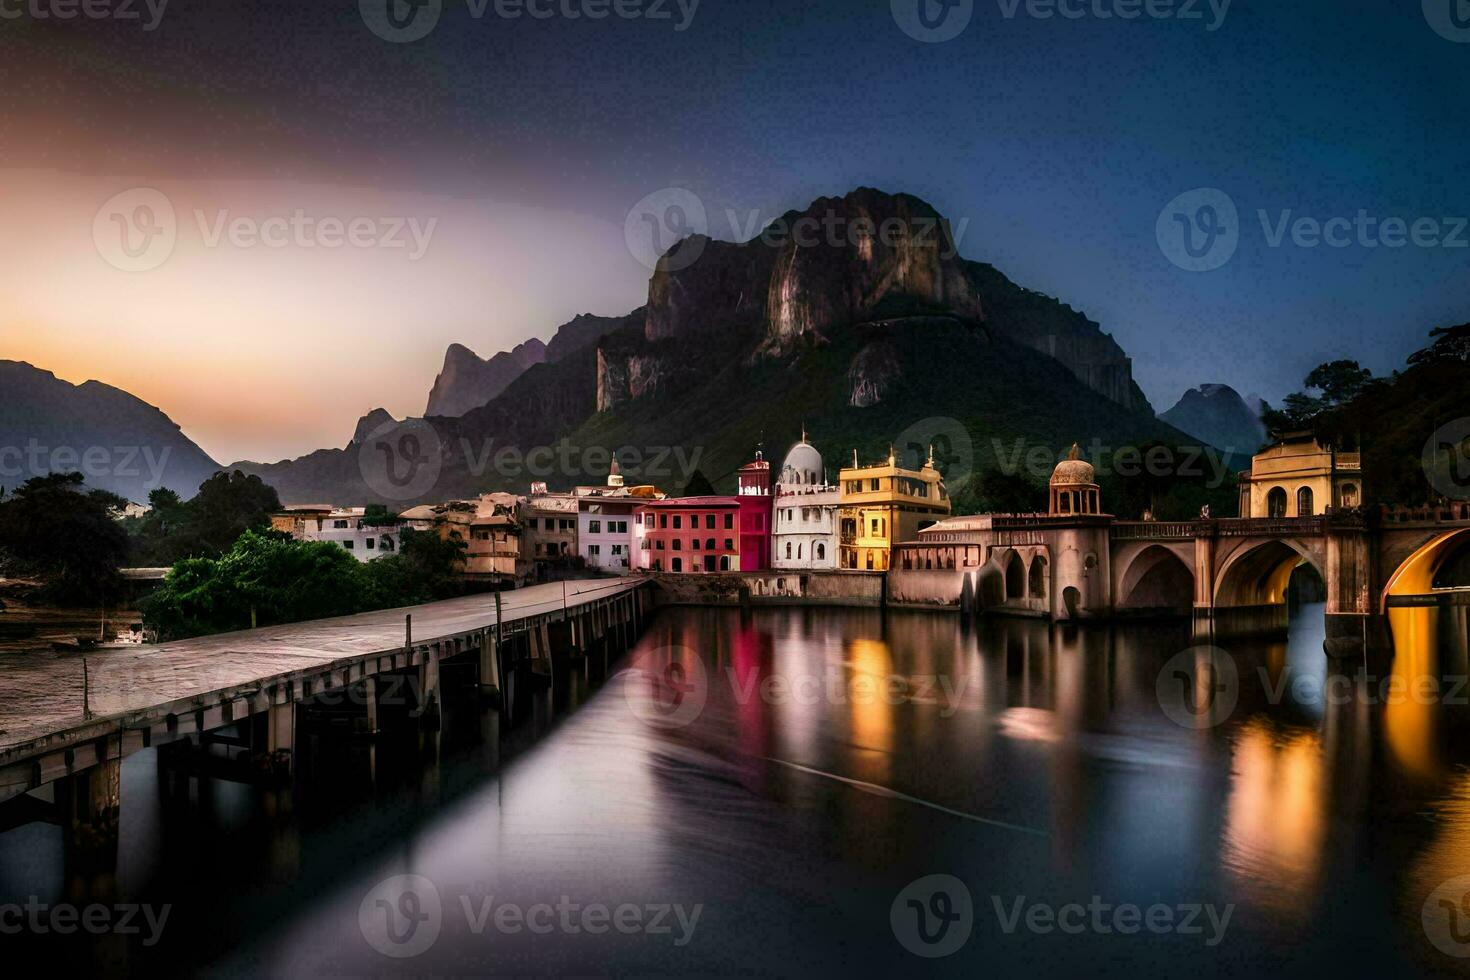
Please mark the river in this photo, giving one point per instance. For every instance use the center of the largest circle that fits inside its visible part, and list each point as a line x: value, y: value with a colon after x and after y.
x: 780, y: 802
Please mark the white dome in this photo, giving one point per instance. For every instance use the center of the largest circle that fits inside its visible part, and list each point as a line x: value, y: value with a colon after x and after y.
x: 803, y: 465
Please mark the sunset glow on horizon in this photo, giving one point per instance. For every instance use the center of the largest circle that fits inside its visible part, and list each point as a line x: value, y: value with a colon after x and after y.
x: 262, y: 342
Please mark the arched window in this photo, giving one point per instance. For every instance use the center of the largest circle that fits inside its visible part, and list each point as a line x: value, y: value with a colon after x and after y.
x: 677, y: 564
x: 788, y: 549
x: 798, y: 552
x: 1304, y: 502
x: 709, y: 544
x: 821, y: 551
x: 1015, y: 578
x: 1036, y: 583
x: 724, y: 563
x: 1276, y: 502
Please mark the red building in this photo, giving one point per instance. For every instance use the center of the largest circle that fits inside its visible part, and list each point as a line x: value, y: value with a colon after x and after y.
x: 688, y: 534
x: 756, y: 514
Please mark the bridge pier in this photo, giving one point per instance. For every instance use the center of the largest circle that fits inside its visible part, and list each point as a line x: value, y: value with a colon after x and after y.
x: 428, y: 689
x: 489, y: 668
x: 88, y: 805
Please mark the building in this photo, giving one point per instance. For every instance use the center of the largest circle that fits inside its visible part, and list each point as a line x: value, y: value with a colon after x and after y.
x: 605, y: 517
x: 490, y: 528
x: 804, y: 530
x: 1297, y: 476
x: 348, y: 527
x: 420, y: 518
x: 884, y: 504
x: 753, y: 482
x: 1056, y: 564
x: 688, y: 534
x: 549, y: 529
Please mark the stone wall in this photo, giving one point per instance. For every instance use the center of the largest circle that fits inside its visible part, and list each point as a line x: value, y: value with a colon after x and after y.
x: 837, y: 588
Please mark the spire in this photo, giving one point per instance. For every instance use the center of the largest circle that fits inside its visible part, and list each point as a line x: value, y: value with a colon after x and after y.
x: 930, y: 464
x: 892, y: 458
x: 1074, y: 454
x: 803, y: 431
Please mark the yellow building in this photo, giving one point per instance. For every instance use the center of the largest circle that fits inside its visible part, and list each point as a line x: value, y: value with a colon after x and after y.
x: 883, y: 504
x: 1296, y: 476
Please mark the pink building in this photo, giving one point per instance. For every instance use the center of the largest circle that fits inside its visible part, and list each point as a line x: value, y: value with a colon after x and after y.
x: 688, y: 534
x: 756, y: 514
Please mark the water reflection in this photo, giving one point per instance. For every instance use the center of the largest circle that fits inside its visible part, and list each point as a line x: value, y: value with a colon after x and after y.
x: 835, y: 756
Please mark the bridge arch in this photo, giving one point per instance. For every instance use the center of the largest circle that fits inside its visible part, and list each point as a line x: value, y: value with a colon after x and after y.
x: 1415, y: 574
x: 1155, y: 575
x: 1258, y: 573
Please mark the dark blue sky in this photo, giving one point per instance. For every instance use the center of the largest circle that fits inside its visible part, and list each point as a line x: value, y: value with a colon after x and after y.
x: 1059, y: 141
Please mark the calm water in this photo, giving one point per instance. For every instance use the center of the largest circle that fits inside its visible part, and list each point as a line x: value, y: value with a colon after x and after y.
x: 767, y: 807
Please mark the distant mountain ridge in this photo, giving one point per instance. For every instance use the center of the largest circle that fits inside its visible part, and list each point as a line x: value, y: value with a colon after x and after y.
x: 1217, y: 414
x: 119, y: 442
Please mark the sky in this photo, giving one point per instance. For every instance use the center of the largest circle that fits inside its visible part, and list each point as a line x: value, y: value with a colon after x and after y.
x: 315, y: 208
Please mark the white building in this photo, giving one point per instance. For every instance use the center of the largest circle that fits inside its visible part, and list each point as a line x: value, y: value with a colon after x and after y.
x: 342, y: 526
x: 605, y: 524
x: 804, y: 534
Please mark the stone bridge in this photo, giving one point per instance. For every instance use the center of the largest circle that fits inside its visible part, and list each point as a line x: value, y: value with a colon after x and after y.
x: 1231, y: 575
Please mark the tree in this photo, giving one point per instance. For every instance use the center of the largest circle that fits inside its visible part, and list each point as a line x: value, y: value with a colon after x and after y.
x: 1451, y: 344
x: 227, y: 505
x: 1338, y: 381
x: 57, y: 529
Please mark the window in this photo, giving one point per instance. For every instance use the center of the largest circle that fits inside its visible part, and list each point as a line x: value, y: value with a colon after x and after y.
x: 340, y: 525
x: 1276, y: 502
x: 678, y: 544
x: 594, y: 550
x: 729, y: 521
x: 1304, y: 502
x: 709, y: 522
x: 659, y: 544
x: 663, y: 520
x: 371, y: 544
x: 788, y: 549
x: 648, y: 520
x: 347, y: 545
x: 678, y: 522
x: 694, y: 544
x: 1349, y: 495
x: 875, y: 527
x: 677, y: 564
x: 387, y: 543
x: 594, y: 527
x: 729, y: 544
x: 647, y: 545
x: 724, y: 563
x: 709, y: 544
x: 821, y: 551
x: 617, y: 549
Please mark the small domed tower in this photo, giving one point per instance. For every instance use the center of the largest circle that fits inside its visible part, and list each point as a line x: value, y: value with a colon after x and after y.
x: 614, y: 475
x: 1074, y: 489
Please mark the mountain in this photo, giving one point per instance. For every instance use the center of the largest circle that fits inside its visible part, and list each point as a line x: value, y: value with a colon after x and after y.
x: 117, y: 441
x: 467, y: 382
x: 868, y: 339
x: 1217, y: 414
